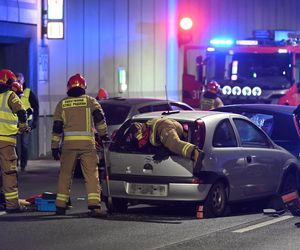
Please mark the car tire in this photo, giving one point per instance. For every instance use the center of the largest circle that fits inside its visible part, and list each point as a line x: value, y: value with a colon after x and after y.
x: 119, y: 205
x: 215, y: 204
x: 289, y: 183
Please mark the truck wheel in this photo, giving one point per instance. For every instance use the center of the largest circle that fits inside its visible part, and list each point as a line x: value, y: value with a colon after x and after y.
x: 216, y: 201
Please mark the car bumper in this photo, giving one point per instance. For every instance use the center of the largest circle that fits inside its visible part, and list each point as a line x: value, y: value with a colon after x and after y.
x: 175, y: 192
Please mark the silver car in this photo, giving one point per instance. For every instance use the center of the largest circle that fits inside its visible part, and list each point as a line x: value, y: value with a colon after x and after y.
x: 241, y: 163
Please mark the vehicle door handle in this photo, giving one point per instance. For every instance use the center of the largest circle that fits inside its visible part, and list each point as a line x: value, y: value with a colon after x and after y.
x: 249, y: 159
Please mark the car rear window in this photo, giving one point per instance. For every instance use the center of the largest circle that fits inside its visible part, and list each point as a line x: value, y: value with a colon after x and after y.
x: 115, y: 114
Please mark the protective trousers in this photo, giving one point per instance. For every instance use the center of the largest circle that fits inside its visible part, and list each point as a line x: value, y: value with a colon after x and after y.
x: 8, y: 164
x: 169, y: 137
x: 89, y: 160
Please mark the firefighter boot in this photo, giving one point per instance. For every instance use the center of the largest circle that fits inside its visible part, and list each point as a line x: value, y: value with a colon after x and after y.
x: 96, y: 213
x: 60, y: 211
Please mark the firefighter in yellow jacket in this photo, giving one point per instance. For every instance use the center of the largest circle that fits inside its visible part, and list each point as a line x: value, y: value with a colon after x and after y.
x: 74, y: 119
x: 210, y: 98
x: 13, y: 120
x: 167, y: 132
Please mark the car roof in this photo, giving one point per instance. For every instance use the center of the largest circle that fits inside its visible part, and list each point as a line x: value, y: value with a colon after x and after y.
x: 183, y: 115
x: 274, y: 108
x: 138, y: 101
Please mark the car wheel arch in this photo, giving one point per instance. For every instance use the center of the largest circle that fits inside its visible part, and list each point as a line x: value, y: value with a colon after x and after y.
x: 291, y: 170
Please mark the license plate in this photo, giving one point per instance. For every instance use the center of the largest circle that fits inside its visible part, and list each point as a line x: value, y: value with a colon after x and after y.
x: 147, y: 189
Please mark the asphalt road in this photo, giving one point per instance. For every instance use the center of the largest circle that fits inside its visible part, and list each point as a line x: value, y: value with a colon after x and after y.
x: 143, y: 227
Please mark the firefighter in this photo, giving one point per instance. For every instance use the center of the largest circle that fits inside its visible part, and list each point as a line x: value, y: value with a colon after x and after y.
x: 74, y: 119
x: 13, y: 122
x: 102, y: 94
x: 31, y: 104
x: 167, y: 132
x: 210, y: 98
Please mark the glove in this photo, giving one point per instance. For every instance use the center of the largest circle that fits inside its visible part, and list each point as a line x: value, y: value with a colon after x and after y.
x: 56, y: 154
x: 23, y: 127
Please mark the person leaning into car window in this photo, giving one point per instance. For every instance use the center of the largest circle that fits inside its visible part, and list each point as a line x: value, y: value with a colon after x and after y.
x: 167, y: 132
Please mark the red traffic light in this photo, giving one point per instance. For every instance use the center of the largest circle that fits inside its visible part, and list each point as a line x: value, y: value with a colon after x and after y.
x: 186, y: 23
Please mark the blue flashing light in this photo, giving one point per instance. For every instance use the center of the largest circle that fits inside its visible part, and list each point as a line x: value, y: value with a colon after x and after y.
x: 222, y: 42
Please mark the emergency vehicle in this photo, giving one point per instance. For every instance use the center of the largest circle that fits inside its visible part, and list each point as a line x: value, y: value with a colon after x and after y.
x: 262, y: 69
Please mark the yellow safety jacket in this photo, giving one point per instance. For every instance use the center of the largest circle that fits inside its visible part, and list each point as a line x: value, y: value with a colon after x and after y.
x: 8, y: 120
x: 25, y: 101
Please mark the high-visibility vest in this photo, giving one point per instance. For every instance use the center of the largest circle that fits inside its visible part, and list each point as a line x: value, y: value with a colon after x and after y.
x: 25, y: 101
x: 8, y: 120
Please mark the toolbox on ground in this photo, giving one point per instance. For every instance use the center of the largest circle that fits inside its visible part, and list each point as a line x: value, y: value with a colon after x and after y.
x: 45, y: 205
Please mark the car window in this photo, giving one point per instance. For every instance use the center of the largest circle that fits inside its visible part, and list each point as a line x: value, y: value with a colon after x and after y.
x: 224, y: 135
x: 115, y: 114
x: 250, y: 135
x: 145, y: 109
x: 161, y: 107
x: 264, y: 121
x: 177, y: 106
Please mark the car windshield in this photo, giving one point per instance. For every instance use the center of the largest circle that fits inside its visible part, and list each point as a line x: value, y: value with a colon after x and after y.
x: 115, y: 114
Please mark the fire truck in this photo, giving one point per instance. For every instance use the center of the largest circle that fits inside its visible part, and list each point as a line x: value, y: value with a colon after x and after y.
x: 262, y: 69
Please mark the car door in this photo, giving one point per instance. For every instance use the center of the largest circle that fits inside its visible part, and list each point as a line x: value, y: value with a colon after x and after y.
x: 227, y: 158
x: 263, y: 162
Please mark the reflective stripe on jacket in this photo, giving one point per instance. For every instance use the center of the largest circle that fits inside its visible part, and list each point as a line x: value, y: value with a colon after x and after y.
x: 8, y: 120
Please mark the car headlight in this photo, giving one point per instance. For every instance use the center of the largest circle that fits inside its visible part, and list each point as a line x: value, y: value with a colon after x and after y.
x: 246, y: 91
x: 236, y: 90
x: 226, y: 90
x: 256, y: 91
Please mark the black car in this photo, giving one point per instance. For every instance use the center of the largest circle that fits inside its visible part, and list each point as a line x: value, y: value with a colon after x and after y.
x: 278, y: 121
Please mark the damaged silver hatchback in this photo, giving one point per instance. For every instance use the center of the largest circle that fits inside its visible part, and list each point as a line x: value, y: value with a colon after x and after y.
x: 241, y: 163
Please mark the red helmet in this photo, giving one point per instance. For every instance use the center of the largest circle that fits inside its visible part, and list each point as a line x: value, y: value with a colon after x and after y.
x: 102, y: 94
x: 7, y: 77
x: 213, y: 87
x: 17, y: 87
x: 76, y: 81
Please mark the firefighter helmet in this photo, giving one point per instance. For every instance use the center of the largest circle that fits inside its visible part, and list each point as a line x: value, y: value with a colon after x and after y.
x: 213, y: 87
x: 102, y: 94
x: 76, y: 81
x: 17, y: 88
x: 7, y: 77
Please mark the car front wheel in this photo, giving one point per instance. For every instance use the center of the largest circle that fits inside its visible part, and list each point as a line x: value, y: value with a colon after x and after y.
x: 216, y: 201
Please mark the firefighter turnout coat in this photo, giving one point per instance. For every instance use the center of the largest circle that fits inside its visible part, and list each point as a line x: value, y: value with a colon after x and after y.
x: 167, y: 132
x: 210, y: 101
x: 10, y: 105
x: 73, y: 126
